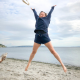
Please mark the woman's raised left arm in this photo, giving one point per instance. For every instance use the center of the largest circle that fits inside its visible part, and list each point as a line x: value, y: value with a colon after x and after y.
x: 49, y: 14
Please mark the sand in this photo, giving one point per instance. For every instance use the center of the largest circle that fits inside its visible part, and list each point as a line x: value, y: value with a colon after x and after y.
x: 14, y: 69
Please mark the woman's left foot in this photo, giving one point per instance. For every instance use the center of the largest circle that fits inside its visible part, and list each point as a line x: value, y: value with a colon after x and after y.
x: 65, y: 69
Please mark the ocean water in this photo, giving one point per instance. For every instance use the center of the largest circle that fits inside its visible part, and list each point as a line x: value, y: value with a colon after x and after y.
x: 68, y: 55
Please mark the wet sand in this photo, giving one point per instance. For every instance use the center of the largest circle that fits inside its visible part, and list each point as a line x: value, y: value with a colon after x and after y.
x: 14, y: 69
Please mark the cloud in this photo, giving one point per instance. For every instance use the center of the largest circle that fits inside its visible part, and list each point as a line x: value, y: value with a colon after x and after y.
x: 17, y: 21
x: 65, y: 29
x: 67, y: 22
x: 66, y: 42
x: 70, y: 12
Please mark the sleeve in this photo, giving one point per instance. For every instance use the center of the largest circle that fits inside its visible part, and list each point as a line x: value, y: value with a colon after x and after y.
x: 49, y: 14
x: 35, y: 14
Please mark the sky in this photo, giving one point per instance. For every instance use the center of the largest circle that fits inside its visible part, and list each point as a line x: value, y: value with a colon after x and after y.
x: 17, y: 22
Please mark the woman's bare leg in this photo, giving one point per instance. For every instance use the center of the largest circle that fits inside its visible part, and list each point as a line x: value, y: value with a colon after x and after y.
x: 50, y: 47
x: 35, y: 47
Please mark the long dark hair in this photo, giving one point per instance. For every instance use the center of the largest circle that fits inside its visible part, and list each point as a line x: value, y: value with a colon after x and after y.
x: 44, y: 12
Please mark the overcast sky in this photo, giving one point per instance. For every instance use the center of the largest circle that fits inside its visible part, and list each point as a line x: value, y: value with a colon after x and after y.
x: 17, y: 22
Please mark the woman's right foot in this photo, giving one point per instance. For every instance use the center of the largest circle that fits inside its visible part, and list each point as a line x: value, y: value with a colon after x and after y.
x: 27, y: 67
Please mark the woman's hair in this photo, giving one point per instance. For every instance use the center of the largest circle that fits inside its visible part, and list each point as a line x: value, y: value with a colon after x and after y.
x: 44, y: 12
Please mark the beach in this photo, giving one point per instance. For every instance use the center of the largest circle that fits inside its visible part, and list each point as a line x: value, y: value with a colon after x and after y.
x: 14, y: 69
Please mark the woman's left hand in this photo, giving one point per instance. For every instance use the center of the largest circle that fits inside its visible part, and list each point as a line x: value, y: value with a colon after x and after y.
x: 54, y: 5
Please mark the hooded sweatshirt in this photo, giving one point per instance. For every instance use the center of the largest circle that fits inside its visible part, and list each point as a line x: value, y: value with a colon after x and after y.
x: 43, y: 22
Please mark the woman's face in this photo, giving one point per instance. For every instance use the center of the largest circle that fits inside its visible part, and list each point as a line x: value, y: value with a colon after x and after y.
x: 42, y: 14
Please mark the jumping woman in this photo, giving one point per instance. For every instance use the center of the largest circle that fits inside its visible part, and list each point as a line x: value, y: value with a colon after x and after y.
x: 42, y: 37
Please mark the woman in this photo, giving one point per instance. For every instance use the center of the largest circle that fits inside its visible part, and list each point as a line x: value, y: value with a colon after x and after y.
x: 42, y: 37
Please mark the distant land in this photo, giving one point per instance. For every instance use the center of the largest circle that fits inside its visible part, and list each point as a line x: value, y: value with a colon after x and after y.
x: 2, y: 46
x: 25, y: 46
x: 44, y: 46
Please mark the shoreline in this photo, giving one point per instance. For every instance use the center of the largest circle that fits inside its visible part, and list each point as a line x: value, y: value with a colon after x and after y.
x: 14, y: 69
x: 68, y: 65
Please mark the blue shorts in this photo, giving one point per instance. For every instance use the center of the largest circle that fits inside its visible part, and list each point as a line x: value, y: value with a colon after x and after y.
x: 42, y: 38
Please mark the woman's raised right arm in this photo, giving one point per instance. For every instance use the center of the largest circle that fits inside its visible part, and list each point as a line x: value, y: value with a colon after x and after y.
x: 35, y: 13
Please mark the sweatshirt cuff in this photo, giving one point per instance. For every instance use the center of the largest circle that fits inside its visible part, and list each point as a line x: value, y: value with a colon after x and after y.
x: 53, y: 7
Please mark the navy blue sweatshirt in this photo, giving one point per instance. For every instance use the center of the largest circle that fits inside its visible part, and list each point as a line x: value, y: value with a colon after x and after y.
x: 43, y: 22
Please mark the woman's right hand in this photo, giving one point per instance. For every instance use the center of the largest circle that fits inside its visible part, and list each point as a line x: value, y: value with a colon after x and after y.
x: 31, y: 8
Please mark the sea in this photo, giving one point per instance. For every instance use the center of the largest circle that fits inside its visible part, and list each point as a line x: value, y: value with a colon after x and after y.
x: 68, y: 55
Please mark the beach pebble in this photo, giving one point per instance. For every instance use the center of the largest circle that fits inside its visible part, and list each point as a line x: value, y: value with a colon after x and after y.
x: 69, y: 72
